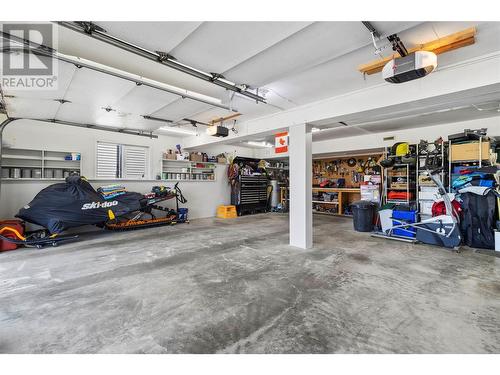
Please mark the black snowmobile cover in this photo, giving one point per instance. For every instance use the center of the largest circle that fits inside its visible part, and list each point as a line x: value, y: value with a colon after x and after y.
x: 75, y: 203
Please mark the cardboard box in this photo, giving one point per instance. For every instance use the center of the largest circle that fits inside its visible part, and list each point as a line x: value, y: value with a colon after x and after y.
x: 424, y: 180
x: 169, y: 155
x: 195, y: 157
x: 469, y: 151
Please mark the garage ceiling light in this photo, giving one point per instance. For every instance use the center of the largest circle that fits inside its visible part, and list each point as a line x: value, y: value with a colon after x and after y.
x: 178, y: 130
x: 493, y: 106
x: 260, y: 144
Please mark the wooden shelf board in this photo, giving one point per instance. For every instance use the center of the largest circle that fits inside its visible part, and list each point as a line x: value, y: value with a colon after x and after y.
x: 323, y: 202
x: 445, y: 44
x: 21, y: 157
x: 22, y: 166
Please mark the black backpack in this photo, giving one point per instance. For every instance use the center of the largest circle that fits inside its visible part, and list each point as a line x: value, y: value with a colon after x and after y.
x: 478, y: 223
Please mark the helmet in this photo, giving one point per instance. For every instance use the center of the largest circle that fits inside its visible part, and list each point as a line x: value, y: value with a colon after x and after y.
x: 400, y: 149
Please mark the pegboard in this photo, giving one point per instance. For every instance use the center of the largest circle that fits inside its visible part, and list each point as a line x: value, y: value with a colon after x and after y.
x: 335, y: 168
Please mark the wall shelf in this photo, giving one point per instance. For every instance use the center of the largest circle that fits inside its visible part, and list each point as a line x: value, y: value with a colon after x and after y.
x: 44, y: 163
x: 187, y: 170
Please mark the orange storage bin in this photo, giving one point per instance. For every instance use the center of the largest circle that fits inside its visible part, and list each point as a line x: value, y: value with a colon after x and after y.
x: 226, y: 212
x: 17, y: 225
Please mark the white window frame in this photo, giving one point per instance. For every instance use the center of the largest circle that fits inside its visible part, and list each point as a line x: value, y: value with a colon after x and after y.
x: 121, y: 150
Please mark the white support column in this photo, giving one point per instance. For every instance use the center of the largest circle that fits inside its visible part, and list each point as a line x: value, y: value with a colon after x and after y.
x: 300, y: 158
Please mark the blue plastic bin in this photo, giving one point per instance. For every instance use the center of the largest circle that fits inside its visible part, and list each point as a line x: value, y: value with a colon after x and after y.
x: 182, y: 215
x: 407, y: 217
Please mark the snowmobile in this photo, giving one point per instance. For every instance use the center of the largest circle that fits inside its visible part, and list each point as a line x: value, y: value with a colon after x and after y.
x: 76, y: 203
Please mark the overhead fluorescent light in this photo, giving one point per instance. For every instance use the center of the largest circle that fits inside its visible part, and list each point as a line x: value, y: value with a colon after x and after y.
x: 260, y: 144
x: 446, y: 110
x: 493, y: 106
x: 178, y: 130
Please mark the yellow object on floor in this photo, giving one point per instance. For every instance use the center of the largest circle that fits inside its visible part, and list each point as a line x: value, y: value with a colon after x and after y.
x: 226, y: 212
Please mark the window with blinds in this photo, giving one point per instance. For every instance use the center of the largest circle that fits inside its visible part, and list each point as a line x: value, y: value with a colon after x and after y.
x: 107, y: 160
x: 134, y: 162
x: 121, y: 161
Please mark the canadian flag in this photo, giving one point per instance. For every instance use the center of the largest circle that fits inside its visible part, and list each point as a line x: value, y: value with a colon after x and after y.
x: 281, y: 143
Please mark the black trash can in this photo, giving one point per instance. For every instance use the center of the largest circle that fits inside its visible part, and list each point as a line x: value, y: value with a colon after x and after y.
x: 363, y: 212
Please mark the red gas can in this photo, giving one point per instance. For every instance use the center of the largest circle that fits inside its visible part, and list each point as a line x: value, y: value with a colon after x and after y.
x: 18, y: 225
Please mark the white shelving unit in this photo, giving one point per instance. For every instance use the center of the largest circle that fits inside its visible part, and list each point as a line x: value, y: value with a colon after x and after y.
x: 424, y: 204
x: 186, y: 170
x: 479, y: 162
x: 35, y: 165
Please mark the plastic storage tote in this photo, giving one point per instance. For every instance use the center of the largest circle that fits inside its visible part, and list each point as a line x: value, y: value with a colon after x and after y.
x: 401, y: 218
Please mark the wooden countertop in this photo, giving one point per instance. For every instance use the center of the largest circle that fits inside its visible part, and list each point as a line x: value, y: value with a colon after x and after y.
x: 338, y: 190
x: 332, y: 190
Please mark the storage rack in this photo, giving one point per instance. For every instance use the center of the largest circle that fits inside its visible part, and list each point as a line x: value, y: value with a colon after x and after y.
x: 45, y: 162
x: 187, y: 170
x: 444, y: 174
x: 409, y: 175
x: 481, y: 161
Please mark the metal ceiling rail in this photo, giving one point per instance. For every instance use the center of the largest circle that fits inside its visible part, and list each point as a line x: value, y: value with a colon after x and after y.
x: 96, y: 32
x: 192, y: 122
x: 141, y: 133
x: 42, y: 50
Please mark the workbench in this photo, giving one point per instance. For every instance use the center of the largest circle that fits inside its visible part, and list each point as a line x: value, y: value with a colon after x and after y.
x: 344, y: 195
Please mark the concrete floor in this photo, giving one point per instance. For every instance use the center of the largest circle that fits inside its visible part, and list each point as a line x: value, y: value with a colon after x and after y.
x: 234, y: 286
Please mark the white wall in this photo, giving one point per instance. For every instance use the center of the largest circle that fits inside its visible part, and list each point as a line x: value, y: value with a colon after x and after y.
x: 203, y: 196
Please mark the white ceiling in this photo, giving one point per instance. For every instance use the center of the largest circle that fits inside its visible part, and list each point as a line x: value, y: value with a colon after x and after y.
x: 219, y: 46
x: 153, y: 36
x: 293, y: 63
